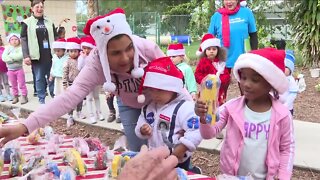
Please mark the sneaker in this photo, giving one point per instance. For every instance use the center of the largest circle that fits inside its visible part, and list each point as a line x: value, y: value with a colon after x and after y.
x: 41, y: 101
x: 24, y: 99
x: 118, y: 120
x: 35, y: 94
x: 196, y: 169
x: 80, y: 115
x: 9, y: 97
x: 15, y: 100
x: 2, y: 99
x: 70, y: 121
x: 93, y: 119
x: 100, y: 116
x: 112, y: 116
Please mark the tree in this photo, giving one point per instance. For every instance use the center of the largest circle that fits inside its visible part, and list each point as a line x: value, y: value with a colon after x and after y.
x: 305, y: 22
x: 92, y: 8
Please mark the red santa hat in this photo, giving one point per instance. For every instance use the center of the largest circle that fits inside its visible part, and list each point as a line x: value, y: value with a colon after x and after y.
x: 269, y: 63
x: 73, y: 43
x: 176, y: 50
x: 102, y: 29
x: 59, y: 44
x: 88, y: 41
x: 161, y: 74
x: 208, y: 40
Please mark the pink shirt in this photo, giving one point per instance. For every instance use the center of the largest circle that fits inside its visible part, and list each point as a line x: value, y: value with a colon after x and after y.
x: 89, y: 77
x: 281, y: 145
x: 3, y: 66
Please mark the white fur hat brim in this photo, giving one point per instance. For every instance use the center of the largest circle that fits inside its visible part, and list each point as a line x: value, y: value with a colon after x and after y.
x: 59, y: 45
x: 269, y: 71
x: 72, y: 45
x: 11, y: 35
x: 87, y: 45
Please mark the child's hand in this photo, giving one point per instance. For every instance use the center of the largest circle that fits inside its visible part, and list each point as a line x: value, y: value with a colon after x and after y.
x: 179, y: 151
x: 194, y: 96
x: 201, y: 110
x: 146, y: 130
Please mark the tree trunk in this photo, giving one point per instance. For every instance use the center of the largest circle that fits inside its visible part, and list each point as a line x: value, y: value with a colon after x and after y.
x: 92, y: 8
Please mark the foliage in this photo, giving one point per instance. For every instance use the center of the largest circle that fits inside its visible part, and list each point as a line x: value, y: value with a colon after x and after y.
x: 305, y: 22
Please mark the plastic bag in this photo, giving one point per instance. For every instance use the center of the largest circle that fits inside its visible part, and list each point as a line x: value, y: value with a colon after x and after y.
x: 301, y: 83
x: 48, y: 132
x: 68, y: 174
x: 94, y: 144
x: 37, y: 159
x: 229, y: 177
x: 9, y: 148
x: 16, y: 163
x: 34, y: 137
x: 16, y: 112
x: 81, y: 146
x: 121, y: 144
x: 73, y: 158
x: 1, y: 161
x: 102, y: 159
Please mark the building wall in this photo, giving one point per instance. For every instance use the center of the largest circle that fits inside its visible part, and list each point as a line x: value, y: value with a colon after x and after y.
x: 56, y: 10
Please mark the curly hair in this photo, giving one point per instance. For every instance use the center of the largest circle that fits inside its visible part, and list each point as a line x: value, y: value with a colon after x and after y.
x: 35, y: 2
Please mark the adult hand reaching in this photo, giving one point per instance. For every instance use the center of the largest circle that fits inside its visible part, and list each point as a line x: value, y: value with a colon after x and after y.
x: 11, y: 132
x: 155, y: 164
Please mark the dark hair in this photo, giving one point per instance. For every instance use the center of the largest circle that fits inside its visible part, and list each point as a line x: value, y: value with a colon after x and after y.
x: 279, y: 44
x: 1, y: 42
x: 35, y: 2
x: 221, y: 55
x: 60, y: 30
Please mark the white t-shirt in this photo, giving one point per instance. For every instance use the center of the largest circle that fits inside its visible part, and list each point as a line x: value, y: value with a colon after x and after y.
x: 254, y: 152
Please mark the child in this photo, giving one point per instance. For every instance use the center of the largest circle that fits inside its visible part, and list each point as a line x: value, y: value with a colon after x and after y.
x: 58, y: 60
x: 71, y: 71
x: 112, y: 110
x: 12, y: 55
x: 213, y: 61
x: 259, y: 139
x: 290, y: 95
x: 4, y: 84
x: 87, y: 44
x: 161, y: 121
x: 177, y: 54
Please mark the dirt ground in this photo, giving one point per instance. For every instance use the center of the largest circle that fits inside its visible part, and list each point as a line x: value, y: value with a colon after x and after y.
x: 207, y: 161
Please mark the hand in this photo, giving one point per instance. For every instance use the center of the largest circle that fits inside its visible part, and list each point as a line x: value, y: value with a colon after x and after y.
x: 194, y: 96
x: 201, y: 110
x: 50, y: 78
x: 179, y: 151
x: 27, y: 61
x: 146, y: 130
x: 11, y: 132
x: 150, y: 165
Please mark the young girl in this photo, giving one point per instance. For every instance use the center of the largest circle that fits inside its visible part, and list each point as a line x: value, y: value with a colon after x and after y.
x: 12, y: 55
x: 4, y: 84
x: 212, y: 61
x: 177, y: 54
x: 169, y: 113
x: 259, y: 139
x: 87, y: 44
x: 58, y: 60
x: 70, y: 72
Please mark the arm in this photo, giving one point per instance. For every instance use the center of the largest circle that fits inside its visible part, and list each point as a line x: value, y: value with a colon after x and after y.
x: 252, y: 30
x: 225, y: 78
x: 81, y: 62
x: 209, y: 131
x: 65, y: 77
x: 253, y: 40
x: 140, y: 123
x: 55, y: 33
x: 90, y: 76
x: 190, y: 80
x: 200, y: 72
x: 287, y: 149
x: 5, y: 56
x: 24, y: 40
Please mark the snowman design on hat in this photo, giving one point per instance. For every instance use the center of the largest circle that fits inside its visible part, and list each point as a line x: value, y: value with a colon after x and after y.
x: 104, y: 28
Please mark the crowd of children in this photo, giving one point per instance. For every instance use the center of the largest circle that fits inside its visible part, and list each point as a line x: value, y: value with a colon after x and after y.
x: 254, y: 121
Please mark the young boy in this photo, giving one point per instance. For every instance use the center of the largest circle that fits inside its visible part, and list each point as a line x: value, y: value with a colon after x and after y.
x: 169, y: 120
x: 177, y: 54
x: 290, y: 95
x: 87, y: 44
x: 58, y: 60
x: 71, y: 71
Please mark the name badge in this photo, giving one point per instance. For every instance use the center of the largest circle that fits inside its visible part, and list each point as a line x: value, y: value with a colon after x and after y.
x: 45, y: 44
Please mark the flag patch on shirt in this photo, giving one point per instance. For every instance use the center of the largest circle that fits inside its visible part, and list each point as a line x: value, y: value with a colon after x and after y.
x: 163, y: 117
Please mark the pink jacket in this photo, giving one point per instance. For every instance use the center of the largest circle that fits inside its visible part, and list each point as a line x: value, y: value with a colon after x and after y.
x: 281, y: 145
x: 89, y: 77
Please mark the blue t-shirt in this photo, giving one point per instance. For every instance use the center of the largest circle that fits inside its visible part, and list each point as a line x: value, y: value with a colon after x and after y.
x: 241, y: 24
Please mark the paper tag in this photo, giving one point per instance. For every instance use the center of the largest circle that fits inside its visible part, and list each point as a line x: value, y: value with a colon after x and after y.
x: 45, y: 44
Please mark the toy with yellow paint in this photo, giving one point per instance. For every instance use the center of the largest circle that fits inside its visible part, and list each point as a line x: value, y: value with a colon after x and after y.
x: 73, y: 158
x: 209, y: 93
x: 117, y: 164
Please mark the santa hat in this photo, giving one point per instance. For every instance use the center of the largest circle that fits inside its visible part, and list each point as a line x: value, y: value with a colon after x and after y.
x: 176, y: 50
x: 290, y: 60
x: 161, y: 74
x: 11, y: 35
x: 88, y: 41
x: 208, y: 40
x: 59, y: 44
x: 73, y: 43
x: 269, y: 63
x: 102, y: 29
x: 243, y: 3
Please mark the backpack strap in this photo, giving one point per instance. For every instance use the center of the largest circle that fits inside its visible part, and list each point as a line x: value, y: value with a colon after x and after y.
x: 144, y: 110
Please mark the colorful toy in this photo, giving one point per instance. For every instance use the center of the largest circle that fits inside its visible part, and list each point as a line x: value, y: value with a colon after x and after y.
x: 68, y: 174
x: 117, y: 164
x: 94, y: 144
x: 16, y: 162
x: 73, y: 158
x: 33, y: 138
x: 48, y: 132
x: 209, y: 93
x: 182, y: 174
x: 3, y: 117
x: 131, y: 154
x: 33, y: 163
x: 1, y: 162
x: 53, y: 168
x: 102, y: 158
x: 81, y: 146
x: 7, y: 154
x: 41, y: 132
